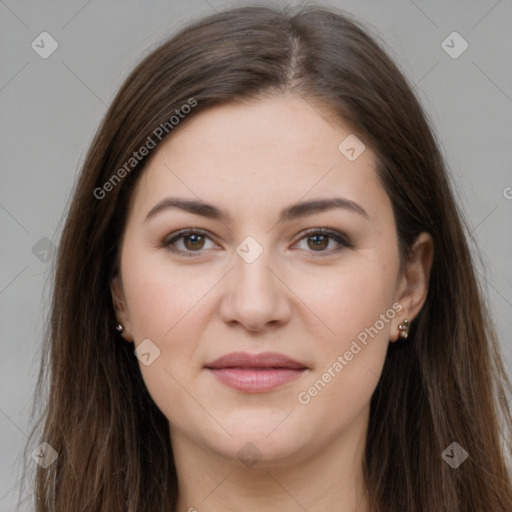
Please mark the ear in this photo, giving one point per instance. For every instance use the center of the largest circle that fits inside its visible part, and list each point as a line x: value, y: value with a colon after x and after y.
x: 120, y: 307
x: 413, y: 282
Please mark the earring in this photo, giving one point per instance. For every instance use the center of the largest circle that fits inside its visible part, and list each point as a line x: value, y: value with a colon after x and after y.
x: 119, y: 328
x: 404, y: 329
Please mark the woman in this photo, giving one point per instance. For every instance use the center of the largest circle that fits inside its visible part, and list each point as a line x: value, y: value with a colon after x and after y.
x: 264, y: 297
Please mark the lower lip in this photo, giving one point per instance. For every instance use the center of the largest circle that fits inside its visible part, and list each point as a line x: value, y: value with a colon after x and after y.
x: 253, y: 380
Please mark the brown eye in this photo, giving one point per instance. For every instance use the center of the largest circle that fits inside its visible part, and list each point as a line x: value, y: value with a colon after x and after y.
x: 318, y: 242
x: 187, y: 242
x: 195, y: 241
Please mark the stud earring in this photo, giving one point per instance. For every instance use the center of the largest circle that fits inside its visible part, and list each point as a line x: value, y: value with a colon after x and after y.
x: 119, y: 328
x: 403, y: 329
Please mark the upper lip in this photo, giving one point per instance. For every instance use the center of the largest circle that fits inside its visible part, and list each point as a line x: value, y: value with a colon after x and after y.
x: 262, y: 360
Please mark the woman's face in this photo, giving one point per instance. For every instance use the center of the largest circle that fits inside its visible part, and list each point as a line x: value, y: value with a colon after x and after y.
x: 258, y: 276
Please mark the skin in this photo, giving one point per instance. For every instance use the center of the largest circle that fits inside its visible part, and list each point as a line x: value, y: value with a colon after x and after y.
x: 293, y: 299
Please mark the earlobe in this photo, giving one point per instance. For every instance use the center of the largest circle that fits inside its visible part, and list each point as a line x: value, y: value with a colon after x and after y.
x: 414, y: 283
x: 120, y: 308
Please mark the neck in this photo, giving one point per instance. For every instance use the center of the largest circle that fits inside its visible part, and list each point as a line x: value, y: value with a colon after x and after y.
x: 328, y: 479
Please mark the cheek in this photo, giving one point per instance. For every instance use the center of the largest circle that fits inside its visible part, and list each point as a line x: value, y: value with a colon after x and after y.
x: 351, y: 299
x: 161, y: 297
x: 357, y: 306
x: 162, y: 306
x: 167, y: 305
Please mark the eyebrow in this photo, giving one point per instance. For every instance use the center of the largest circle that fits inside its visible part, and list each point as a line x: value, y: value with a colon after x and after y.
x: 289, y: 213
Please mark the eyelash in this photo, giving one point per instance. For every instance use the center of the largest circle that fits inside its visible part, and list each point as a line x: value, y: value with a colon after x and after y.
x: 342, y: 240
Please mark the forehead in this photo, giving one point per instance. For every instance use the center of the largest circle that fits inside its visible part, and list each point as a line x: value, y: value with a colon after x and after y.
x: 274, y: 150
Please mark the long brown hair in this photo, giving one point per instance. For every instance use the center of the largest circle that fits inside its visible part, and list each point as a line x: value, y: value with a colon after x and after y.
x: 446, y: 384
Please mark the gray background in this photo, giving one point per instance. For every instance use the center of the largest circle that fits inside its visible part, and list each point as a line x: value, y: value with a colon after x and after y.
x: 51, y: 107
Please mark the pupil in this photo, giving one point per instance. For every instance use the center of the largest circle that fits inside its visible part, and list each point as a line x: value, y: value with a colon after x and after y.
x: 316, y: 244
x: 194, y: 242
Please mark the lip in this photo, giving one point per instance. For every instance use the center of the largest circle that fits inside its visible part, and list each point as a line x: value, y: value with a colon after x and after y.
x: 262, y: 360
x: 255, y: 373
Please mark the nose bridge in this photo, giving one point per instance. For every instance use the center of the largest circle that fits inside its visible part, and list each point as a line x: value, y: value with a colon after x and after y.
x: 255, y: 296
x: 251, y: 264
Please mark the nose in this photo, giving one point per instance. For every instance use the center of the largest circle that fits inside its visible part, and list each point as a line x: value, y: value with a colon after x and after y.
x: 256, y: 296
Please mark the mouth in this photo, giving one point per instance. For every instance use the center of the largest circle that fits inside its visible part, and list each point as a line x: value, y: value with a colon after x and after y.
x: 255, y: 373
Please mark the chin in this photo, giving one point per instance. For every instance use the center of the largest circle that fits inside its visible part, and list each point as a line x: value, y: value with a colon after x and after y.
x: 259, y: 440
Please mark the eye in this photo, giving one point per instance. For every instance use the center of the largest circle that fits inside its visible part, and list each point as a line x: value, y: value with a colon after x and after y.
x: 318, y: 240
x: 193, y: 240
